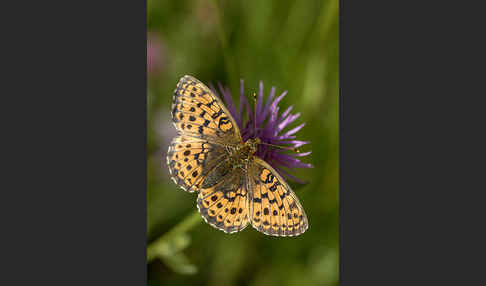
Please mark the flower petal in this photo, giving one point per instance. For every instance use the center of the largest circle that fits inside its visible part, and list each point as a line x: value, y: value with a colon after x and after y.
x: 270, y: 128
x: 229, y: 101
x: 266, y: 109
x: 283, y: 137
x: 296, y: 143
x: 242, y: 97
x: 274, y: 115
x: 277, y: 100
x: 286, y: 112
x: 260, y: 98
x: 294, y: 130
x: 291, y: 118
x: 302, y: 154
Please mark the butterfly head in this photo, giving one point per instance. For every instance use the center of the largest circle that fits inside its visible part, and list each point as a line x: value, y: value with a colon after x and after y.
x: 252, y: 145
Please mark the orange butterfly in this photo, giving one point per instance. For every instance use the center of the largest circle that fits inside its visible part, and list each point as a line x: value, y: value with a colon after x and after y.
x: 235, y: 186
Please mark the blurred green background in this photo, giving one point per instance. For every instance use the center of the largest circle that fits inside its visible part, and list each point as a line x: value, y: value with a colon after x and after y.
x: 292, y: 45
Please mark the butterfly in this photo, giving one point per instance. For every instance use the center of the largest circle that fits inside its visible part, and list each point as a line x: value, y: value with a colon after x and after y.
x: 235, y: 187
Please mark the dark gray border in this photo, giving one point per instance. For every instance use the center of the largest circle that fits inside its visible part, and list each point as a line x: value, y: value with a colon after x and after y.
x: 78, y: 132
x: 410, y: 125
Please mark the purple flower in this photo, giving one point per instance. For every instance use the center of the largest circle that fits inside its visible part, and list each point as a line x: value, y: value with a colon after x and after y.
x: 269, y: 128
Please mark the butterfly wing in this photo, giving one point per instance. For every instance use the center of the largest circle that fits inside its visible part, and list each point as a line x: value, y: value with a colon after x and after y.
x: 274, y: 207
x: 224, y: 203
x: 198, y: 113
x: 191, y: 159
x: 205, y: 128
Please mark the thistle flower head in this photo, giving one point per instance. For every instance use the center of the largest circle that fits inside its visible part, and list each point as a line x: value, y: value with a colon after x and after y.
x: 264, y: 121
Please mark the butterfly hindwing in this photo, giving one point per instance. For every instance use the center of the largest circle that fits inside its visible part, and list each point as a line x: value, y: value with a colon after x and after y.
x: 197, y: 112
x: 275, y: 209
x: 190, y: 160
x: 225, y: 204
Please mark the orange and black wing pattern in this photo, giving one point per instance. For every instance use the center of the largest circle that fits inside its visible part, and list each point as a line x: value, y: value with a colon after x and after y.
x: 191, y: 159
x: 274, y: 207
x: 225, y: 204
x: 197, y: 112
x: 205, y: 128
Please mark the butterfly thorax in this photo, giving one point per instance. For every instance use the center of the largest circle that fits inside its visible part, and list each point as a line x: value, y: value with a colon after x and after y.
x: 242, y: 154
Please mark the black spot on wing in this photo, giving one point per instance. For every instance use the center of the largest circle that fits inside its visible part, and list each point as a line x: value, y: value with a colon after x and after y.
x: 217, y: 114
x: 273, y: 188
x: 209, y: 104
x: 269, y: 178
x: 223, y: 121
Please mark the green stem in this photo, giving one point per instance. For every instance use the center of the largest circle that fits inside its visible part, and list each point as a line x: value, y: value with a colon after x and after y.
x: 173, y: 240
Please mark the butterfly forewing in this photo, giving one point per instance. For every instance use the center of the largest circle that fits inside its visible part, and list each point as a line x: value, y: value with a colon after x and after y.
x: 205, y: 128
x: 197, y: 112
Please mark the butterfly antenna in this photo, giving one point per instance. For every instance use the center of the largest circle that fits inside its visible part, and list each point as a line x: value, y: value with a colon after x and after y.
x: 255, y: 117
x: 282, y: 147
